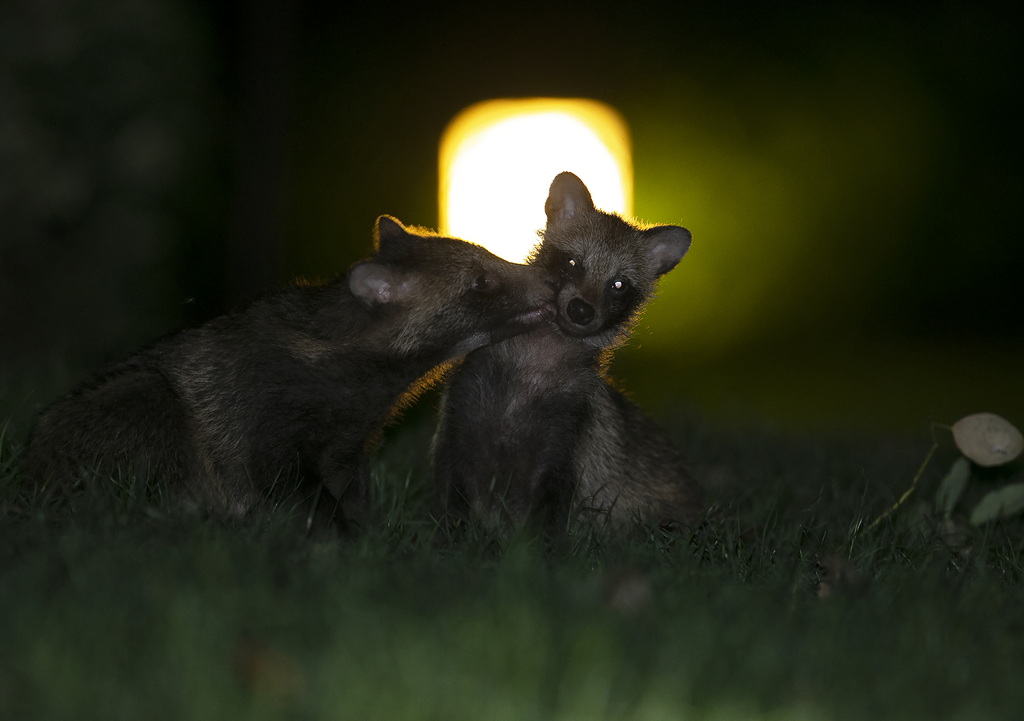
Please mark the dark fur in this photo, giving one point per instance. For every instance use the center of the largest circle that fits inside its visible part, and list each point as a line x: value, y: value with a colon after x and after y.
x: 297, y: 385
x: 531, y: 428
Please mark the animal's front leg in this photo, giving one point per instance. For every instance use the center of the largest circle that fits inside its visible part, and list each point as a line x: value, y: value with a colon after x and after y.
x: 342, y: 499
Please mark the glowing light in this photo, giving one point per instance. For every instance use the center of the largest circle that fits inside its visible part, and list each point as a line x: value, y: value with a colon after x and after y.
x: 498, y: 159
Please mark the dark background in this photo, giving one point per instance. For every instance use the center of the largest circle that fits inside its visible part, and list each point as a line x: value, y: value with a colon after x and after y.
x: 851, y: 173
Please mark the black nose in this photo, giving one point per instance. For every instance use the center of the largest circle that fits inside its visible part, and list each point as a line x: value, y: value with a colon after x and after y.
x: 579, y: 311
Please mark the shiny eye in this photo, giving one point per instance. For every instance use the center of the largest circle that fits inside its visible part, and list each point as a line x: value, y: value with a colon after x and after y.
x: 571, y: 268
x: 483, y: 284
x: 619, y: 285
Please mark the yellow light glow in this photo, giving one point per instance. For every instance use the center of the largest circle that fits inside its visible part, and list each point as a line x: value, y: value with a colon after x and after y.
x: 498, y: 159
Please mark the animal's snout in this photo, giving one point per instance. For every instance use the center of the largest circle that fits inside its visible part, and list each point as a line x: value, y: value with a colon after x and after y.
x: 580, y: 311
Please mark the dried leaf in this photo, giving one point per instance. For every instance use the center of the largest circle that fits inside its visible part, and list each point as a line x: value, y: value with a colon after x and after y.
x: 952, y: 486
x: 1005, y: 502
x: 838, y: 576
x: 265, y: 669
x: 627, y: 589
x: 988, y: 439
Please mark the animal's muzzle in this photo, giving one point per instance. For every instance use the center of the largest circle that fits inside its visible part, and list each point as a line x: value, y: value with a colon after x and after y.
x: 580, y: 311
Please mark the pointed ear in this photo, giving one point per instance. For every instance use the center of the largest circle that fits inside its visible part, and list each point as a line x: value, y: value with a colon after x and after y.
x: 566, y: 197
x: 377, y: 284
x: 667, y: 244
x: 390, y: 237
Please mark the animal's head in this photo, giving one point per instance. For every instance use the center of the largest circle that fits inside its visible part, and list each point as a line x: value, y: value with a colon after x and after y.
x: 607, y: 266
x: 448, y: 295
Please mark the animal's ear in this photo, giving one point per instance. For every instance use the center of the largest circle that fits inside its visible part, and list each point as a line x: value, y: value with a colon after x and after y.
x: 390, y: 238
x: 566, y: 197
x: 667, y: 244
x: 377, y: 284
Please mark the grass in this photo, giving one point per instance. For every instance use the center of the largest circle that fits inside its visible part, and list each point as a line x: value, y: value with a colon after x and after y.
x: 782, y: 608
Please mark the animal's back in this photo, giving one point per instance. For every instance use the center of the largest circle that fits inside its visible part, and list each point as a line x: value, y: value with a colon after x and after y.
x: 629, y: 469
x: 126, y: 426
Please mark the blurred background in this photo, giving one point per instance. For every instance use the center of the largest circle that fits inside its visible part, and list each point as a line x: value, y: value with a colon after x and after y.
x: 851, y: 173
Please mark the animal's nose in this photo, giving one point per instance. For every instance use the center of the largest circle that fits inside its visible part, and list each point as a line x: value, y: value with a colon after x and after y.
x: 579, y: 311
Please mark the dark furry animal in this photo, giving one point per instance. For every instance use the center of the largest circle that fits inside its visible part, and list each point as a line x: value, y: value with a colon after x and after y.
x: 531, y: 429
x: 297, y: 385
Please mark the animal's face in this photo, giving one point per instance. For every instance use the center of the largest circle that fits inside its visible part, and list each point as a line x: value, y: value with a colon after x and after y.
x: 603, y: 273
x: 607, y: 266
x: 448, y: 294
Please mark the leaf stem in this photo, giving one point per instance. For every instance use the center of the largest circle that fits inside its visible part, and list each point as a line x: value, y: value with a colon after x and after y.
x: 909, y: 491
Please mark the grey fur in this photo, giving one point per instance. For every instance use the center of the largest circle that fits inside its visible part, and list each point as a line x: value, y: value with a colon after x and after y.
x: 298, y: 385
x: 532, y: 428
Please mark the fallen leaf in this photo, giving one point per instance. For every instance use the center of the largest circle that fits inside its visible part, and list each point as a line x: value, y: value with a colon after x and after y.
x: 627, y: 589
x: 267, y: 670
x: 988, y: 439
x: 838, y: 576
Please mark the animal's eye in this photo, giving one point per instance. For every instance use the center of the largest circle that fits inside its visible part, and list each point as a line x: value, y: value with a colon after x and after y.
x: 568, y: 266
x: 619, y: 285
x: 484, y: 284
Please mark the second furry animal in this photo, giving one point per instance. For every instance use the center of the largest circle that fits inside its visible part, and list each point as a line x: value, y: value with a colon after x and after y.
x: 531, y: 429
